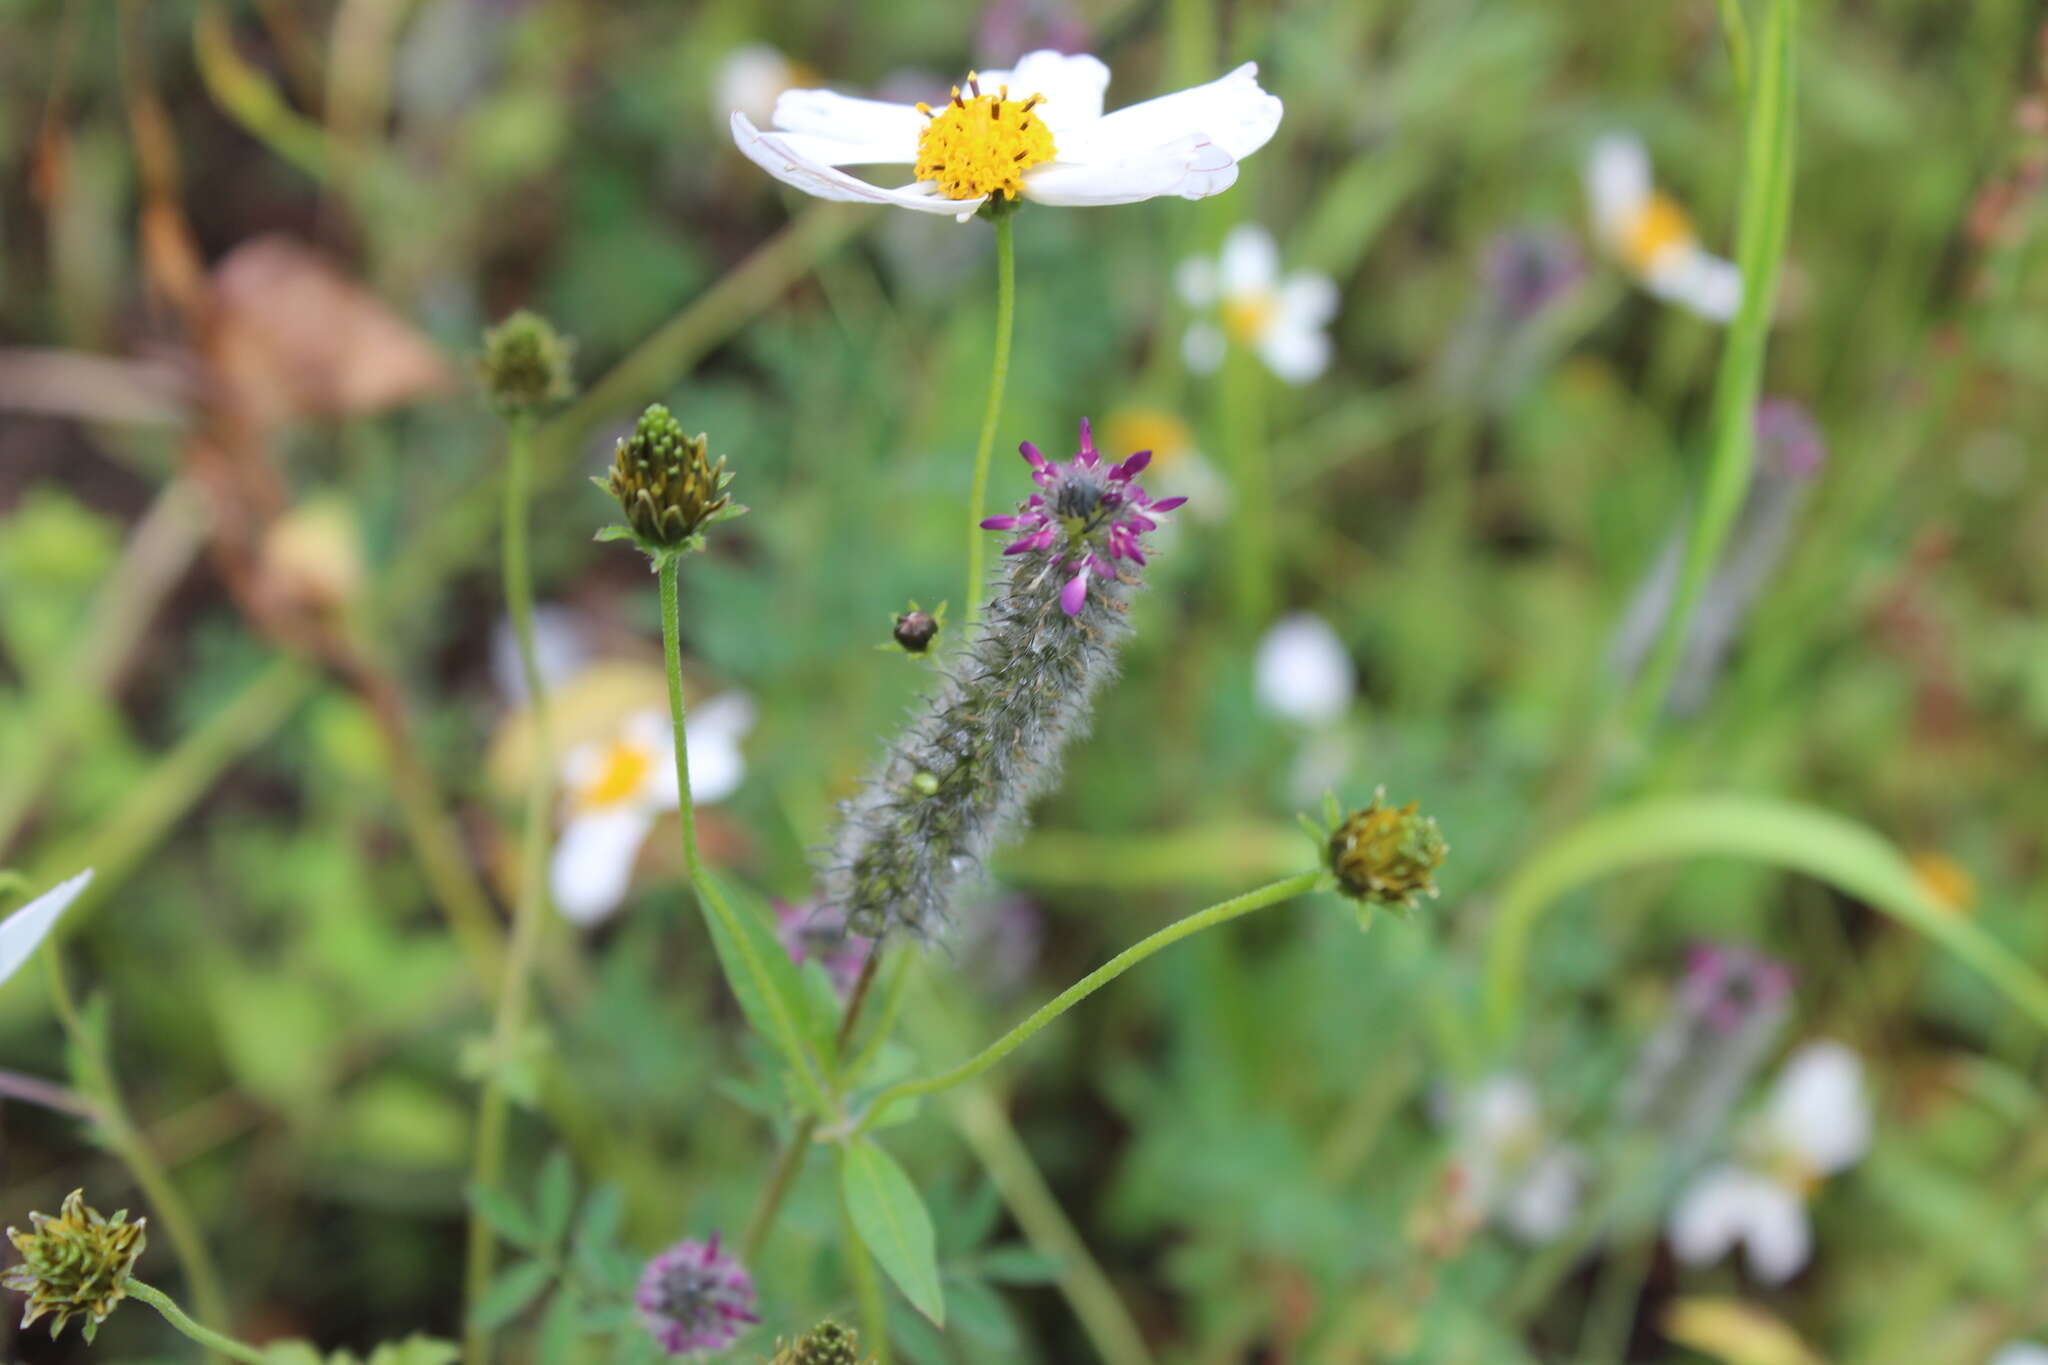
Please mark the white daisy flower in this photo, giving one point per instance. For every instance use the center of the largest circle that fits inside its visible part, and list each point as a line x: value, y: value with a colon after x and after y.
x: 1284, y: 320
x: 750, y: 78
x: 1508, y: 1165
x: 22, y: 932
x: 616, y: 790
x: 1302, y: 672
x: 2021, y: 1353
x: 1651, y: 235
x: 1817, y: 1122
x: 1051, y: 143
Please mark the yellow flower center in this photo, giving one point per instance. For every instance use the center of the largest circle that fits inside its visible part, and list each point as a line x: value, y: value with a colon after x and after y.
x: 982, y: 144
x: 1656, y: 228
x: 1246, y: 316
x: 1153, y: 429
x: 625, y: 770
x: 1945, y: 881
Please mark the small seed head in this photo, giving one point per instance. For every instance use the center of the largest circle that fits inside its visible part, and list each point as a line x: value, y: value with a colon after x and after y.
x: 667, y: 485
x: 76, y: 1264
x: 826, y: 1344
x: 915, y: 631
x: 526, y: 364
x: 1385, y: 855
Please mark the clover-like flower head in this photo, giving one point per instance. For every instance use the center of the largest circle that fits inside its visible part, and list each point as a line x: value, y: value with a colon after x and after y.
x: 695, y: 1297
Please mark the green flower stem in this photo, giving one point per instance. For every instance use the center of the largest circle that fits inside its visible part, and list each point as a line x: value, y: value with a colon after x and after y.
x: 97, y: 1081
x: 1220, y: 913
x: 1243, y: 396
x: 215, y: 1342
x: 1766, y: 212
x: 710, y: 899
x: 999, y: 376
x: 527, y: 915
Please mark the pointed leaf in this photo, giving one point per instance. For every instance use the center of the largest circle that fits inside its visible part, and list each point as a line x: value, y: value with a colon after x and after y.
x: 509, y: 1296
x: 506, y: 1217
x: 891, y: 1218
x: 555, y: 1199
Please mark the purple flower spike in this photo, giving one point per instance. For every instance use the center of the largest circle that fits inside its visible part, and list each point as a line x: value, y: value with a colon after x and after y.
x: 695, y: 1298
x: 1089, y: 519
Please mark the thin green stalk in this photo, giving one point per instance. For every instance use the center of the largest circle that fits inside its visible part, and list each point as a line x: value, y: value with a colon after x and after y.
x: 1735, y: 27
x: 1766, y: 213
x: 1220, y: 913
x: 213, y: 1341
x: 527, y: 915
x: 1243, y: 395
x: 999, y: 376
x: 99, y: 1083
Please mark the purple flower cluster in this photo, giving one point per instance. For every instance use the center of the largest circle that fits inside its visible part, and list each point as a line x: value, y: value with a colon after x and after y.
x: 1788, y: 441
x: 1092, y: 512
x: 695, y: 1297
x: 1726, y: 984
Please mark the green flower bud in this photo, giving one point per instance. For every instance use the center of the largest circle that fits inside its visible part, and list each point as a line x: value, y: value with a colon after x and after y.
x: 526, y: 364
x: 667, y: 486
x: 74, y: 1265
x: 1385, y: 855
x: 826, y: 1344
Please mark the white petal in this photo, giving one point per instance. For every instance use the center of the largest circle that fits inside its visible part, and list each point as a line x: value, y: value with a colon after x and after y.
x: 749, y: 79
x: 2021, y: 1353
x: 1617, y: 182
x: 1072, y: 86
x: 1193, y: 167
x: 1302, y: 672
x: 794, y: 165
x: 1233, y: 111
x: 1819, y: 1110
x: 582, y: 765
x: 1296, y: 354
x: 1203, y: 348
x: 1308, y: 299
x: 1542, y: 1205
x: 729, y: 714
x: 844, y: 118
x: 1697, y: 280
x: 1195, y: 278
x: 1249, y: 263
x: 1498, y: 1113
x: 24, y: 930
x: 1711, y: 1215
x: 593, y: 861
x: 558, y: 649
x: 716, y: 767
x: 1778, y: 1239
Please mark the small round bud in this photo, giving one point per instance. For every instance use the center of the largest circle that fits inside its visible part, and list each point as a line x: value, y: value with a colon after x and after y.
x: 915, y: 631
x: 667, y: 485
x: 526, y: 364
x: 826, y: 1344
x: 1385, y: 855
x: 76, y: 1264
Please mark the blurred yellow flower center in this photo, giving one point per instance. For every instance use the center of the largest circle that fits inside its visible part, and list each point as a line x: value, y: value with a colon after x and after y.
x: 1153, y: 429
x: 1945, y: 881
x: 982, y: 144
x: 1246, y: 316
x: 625, y: 771
x: 1656, y: 228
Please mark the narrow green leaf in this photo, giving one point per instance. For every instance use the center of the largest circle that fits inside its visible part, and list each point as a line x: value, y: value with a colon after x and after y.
x: 765, y: 982
x: 893, y: 1222
x: 555, y: 1199
x: 511, y: 1293
x: 506, y: 1217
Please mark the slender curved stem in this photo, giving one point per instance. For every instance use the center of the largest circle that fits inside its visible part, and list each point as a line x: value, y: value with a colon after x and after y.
x: 1243, y: 395
x: 103, y: 1087
x: 213, y: 1341
x: 999, y: 376
x: 1222, y: 912
x: 492, y: 1107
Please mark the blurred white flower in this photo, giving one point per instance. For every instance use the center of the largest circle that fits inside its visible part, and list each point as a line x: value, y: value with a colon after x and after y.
x: 1283, y: 320
x: 1509, y: 1166
x: 1651, y: 236
x: 750, y: 78
x: 1302, y: 672
x: 1052, y: 143
x: 2021, y: 1353
x: 560, y: 650
x: 1178, y: 469
x: 24, y: 931
x: 1816, y: 1122
x: 616, y: 789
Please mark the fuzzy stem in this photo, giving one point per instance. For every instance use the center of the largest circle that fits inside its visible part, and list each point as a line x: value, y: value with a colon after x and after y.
x: 999, y: 375
x: 103, y: 1087
x: 1222, y: 912
x: 213, y: 1341
x: 527, y: 915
